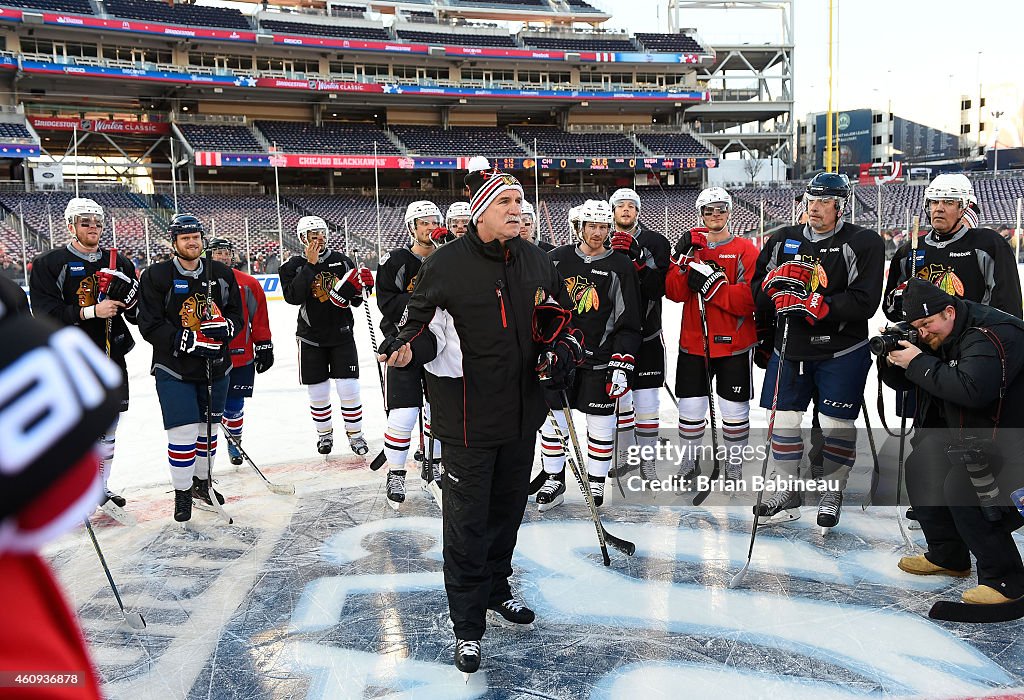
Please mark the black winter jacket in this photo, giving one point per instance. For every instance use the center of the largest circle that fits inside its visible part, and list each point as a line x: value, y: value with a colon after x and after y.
x: 470, y: 320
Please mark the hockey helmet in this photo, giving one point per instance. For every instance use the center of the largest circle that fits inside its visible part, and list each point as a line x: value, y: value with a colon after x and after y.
x: 457, y: 210
x: 81, y: 206
x: 713, y: 195
x: 624, y: 194
x: 421, y: 209
x: 951, y: 186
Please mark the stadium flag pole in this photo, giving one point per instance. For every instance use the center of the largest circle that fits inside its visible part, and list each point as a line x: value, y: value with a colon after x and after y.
x: 878, y: 208
x: 248, y: 249
x: 853, y: 202
x: 792, y: 212
x: 174, y: 177
x: 49, y: 218
x: 762, y: 220
x: 145, y: 229
x: 74, y: 138
x: 666, y: 218
x: 24, y: 246
x: 113, y: 230
x: 376, y: 195
x: 536, y: 184
x: 1016, y: 238
x: 829, y: 147
x: 348, y: 250
x: 277, y: 195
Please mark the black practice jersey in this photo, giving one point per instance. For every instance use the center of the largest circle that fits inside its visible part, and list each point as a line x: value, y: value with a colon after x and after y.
x: 172, y: 299
x: 63, y: 281
x: 973, y: 264
x: 605, y: 296
x: 396, y: 277
x: 320, y: 322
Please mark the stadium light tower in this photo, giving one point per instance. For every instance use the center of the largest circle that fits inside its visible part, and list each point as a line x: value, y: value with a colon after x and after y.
x: 996, y: 114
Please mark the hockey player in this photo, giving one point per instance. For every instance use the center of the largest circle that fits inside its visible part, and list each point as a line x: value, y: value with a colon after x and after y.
x: 470, y: 321
x: 649, y: 253
x: 605, y: 295
x: 717, y: 265
x: 456, y: 219
x: 190, y: 325
x: 252, y: 350
x: 325, y: 284
x: 824, y: 282
x: 77, y: 285
x: 964, y: 261
x: 396, y: 278
x: 55, y: 405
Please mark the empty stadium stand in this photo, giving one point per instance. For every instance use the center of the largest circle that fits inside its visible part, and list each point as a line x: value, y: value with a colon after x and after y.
x: 330, y: 30
x: 552, y: 141
x: 458, y: 38
x: 673, y: 145
x: 589, y: 44
x: 230, y: 138
x: 13, y: 131
x: 178, y: 13
x: 329, y: 137
x: 78, y: 7
x: 669, y: 43
x: 461, y: 141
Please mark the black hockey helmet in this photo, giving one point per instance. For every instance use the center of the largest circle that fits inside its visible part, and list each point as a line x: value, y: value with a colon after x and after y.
x: 220, y: 244
x: 829, y: 185
x: 185, y: 223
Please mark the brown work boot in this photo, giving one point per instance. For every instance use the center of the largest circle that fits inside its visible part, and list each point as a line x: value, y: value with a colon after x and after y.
x: 920, y: 566
x: 985, y: 595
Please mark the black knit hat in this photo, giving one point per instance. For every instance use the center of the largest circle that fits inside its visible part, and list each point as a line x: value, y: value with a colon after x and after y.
x: 922, y: 298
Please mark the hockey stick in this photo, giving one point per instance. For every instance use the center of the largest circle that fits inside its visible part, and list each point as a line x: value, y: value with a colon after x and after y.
x: 874, y: 456
x: 603, y: 536
x: 280, y: 489
x: 214, y: 503
x: 972, y: 612
x: 373, y: 343
x: 132, y: 619
x: 615, y: 451
x: 664, y: 383
x: 738, y: 578
x: 700, y: 497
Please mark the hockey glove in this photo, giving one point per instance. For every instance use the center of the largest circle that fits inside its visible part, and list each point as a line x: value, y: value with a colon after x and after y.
x: 625, y: 243
x: 118, y: 286
x: 789, y: 275
x: 693, y: 240
x: 765, y: 324
x: 351, y: 286
x: 894, y: 302
x: 217, y: 328
x: 557, y: 365
x: 812, y: 307
x: 389, y: 346
x: 440, y: 235
x: 620, y: 371
x: 549, y: 320
x: 705, y: 280
x: 195, y: 343
x: 264, y: 356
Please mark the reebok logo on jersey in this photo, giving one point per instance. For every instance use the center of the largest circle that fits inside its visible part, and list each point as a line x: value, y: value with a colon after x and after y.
x: 603, y: 273
x: 724, y: 257
x: 180, y: 287
x: 965, y: 254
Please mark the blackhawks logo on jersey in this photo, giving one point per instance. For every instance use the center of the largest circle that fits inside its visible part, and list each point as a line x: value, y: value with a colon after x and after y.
x: 819, y: 278
x: 944, y: 278
x: 86, y: 291
x: 195, y: 309
x: 583, y: 294
x: 321, y: 286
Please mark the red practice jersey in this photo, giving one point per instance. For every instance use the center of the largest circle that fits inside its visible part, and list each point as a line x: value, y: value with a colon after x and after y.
x: 255, y: 324
x: 730, y: 311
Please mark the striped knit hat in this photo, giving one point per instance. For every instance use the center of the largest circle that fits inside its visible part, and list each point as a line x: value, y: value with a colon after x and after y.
x: 485, y: 185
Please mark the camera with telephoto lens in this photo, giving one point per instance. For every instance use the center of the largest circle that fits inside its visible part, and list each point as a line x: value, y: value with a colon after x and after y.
x: 890, y: 338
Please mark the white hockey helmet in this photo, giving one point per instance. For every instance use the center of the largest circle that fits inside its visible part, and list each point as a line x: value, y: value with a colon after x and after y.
x: 951, y: 186
x: 713, y: 195
x: 420, y: 209
x: 81, y: 206
x: 624, y: 194
x: 597, y: 211
x: 456, y: 210
x: 527, y: 210
x: 312, y: 223
x: 574, y: 220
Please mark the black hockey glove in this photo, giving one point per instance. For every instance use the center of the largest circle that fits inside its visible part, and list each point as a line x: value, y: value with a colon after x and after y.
x: 705, y: 280
x: 557, y: 365
x: 693, y: 240
x: 620, y: 375
x: 389, y: 346
x: 217, y: 328
x: 195, y: 343
x: 765, y: 324
x: 118, y: 286
x: 549, y: 320
x: 264, y: 356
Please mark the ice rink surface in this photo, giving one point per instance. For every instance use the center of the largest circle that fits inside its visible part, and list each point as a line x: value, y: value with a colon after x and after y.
x: 330, y: 594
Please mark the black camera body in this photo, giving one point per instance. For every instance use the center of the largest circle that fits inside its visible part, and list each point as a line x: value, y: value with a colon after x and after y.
x: 890, y: 338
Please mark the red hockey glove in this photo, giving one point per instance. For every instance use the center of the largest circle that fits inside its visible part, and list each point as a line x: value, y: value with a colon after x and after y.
x: 625, y: 243
x: 812, y: 307
x: 118, y: 286
x: 195, y: 343
x: 217, y: 328
x: 789, y: 275
x: 344, y: 290
x: 620, y: 373
x: 440, y: 235
x: 690, y: 242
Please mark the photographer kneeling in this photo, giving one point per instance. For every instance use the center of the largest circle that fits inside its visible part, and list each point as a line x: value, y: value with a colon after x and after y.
x: 968, y: 443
